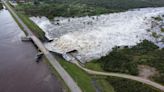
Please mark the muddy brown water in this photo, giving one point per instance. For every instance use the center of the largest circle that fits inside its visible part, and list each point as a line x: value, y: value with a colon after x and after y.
x: 18, y: 70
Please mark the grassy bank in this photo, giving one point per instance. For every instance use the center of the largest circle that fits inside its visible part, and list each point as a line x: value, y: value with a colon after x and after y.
x: 103, y: 84
x: 83, y: 80
x: 127, y: 60
x: 32, y: 26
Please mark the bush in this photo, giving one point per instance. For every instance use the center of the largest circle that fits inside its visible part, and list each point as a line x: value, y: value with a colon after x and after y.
x: 157, y: 18
x: 118, y: 62
x: 65, y: 10
x: 126, y: 85
x: 126, y: 60
x: 162, y: 29
x: 1, y: 7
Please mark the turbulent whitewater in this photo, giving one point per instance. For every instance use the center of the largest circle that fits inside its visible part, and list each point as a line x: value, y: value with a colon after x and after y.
x: 95, y: 36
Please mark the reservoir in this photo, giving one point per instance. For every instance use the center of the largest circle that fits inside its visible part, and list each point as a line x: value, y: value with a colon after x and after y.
x: 18, y: 70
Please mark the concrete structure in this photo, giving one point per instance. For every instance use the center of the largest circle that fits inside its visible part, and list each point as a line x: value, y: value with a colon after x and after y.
x: 72, y: 85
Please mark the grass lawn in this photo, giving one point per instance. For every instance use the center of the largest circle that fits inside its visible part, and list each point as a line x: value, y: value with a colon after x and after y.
x: 105, y: 86
x: 94, y: 65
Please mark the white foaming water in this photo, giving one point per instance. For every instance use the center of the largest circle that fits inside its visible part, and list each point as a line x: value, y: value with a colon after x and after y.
x: 95, y: 36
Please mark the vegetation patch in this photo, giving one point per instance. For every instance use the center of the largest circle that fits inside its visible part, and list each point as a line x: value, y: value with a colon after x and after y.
x: 1, y: 7
x: 127, y: 60
x: 103, y: 84
x: 157, y: 18
x: 162, y: 29
x: 58, y: 10
x: 155, y: 35
x: 113, y: 4
x: 71, y: 8
x: 125, y: 85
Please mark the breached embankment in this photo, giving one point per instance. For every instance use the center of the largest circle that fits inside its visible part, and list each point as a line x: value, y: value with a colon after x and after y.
x: 95, y: 36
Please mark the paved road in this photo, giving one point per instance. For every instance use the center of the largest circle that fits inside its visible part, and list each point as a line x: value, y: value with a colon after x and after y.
x: 64, y: 75
x: 139, y: 79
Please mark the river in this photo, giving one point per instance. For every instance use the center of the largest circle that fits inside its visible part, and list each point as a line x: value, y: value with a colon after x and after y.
x: 18, y: 70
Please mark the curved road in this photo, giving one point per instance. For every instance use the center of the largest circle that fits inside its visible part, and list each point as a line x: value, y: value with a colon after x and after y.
x: 139, y: 79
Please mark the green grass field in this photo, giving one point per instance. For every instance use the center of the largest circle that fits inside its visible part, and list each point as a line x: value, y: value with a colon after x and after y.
x: 104, y: 85
x: 94, y: 65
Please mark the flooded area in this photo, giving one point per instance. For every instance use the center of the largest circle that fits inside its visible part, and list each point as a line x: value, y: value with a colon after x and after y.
x: 94, y: 36
x: 18, y: 70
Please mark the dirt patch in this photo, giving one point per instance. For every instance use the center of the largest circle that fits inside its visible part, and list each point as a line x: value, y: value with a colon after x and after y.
x: 146, y: 71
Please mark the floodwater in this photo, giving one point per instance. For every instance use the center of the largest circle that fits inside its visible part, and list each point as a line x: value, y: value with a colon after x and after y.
x: 95, y: 36
x: 18, y: 70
